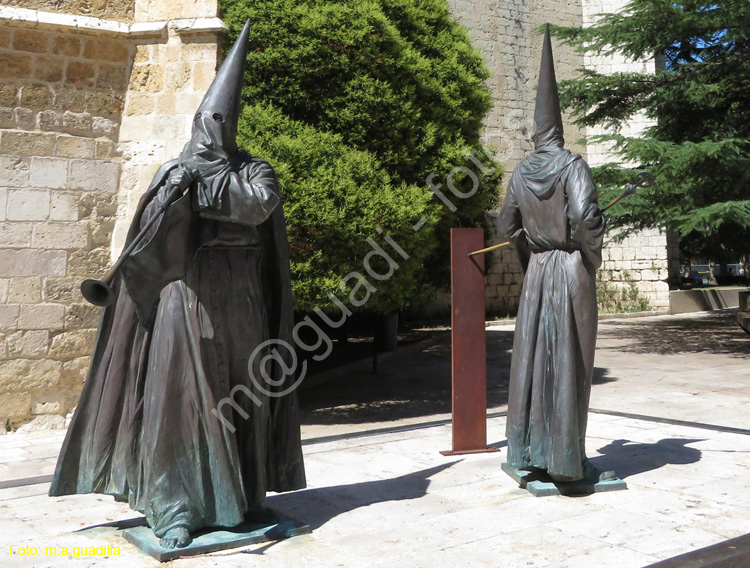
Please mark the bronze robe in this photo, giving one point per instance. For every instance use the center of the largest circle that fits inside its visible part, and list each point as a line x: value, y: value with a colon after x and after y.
x: 551, y: 215
x: 144, y: 430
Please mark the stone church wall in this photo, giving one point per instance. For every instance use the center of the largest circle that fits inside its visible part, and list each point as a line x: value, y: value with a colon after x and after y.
x: 119, y: 10
x: 61, y: 101
x: 91, y: 103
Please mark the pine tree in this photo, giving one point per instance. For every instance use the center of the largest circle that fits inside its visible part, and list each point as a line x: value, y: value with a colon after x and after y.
x: 699, y: 101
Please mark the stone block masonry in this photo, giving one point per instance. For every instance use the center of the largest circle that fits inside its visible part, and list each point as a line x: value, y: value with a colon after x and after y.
x: 89, y: 109
x: 61, y: 101
x: 167, y: 84
x: 120, y: 10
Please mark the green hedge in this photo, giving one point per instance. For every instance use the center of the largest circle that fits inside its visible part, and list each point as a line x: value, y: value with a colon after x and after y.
x: 355, y: 103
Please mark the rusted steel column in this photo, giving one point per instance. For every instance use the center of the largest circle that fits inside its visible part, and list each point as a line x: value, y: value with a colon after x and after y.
x: 468, y: 344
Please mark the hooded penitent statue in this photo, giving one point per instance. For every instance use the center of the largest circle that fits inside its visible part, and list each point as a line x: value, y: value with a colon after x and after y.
x: 551, y: 215
x: 196, y: 306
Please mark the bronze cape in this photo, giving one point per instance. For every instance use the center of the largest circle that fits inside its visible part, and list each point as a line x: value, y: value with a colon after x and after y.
x: 551, y: 215
x: 143, y: 430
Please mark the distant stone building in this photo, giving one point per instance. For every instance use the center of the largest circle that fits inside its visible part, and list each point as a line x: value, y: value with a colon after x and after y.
x: 95, y: 95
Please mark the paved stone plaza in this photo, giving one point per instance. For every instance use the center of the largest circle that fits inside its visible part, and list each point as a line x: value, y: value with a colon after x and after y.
x: 670, y: 405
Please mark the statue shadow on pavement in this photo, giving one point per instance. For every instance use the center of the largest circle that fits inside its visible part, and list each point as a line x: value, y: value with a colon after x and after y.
x: 313, y: 507
x: 631, y: 458
x: 602, y: 376
x: 319, y: 505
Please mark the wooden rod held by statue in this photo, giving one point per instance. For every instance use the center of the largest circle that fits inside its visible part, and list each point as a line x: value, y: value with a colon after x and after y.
x: 99, y: 292
x: 488, y: 249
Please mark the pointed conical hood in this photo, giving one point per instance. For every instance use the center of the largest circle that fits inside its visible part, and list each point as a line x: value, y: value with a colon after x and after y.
x: 547, y: 114
x: 225, y: 93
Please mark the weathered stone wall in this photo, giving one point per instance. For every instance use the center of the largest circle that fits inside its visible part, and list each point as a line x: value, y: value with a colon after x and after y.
x: 120, y: 10
x: 156, y: 10
x: 61, y: 99
x: 89, y: 108
x: 642, y: 258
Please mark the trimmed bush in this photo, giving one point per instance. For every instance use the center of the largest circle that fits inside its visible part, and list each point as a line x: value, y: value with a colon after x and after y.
x: 355, y: 104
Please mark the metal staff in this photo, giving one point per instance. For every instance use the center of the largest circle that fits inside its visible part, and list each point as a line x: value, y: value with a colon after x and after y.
x: 99, y: 292
x: 642, y: 179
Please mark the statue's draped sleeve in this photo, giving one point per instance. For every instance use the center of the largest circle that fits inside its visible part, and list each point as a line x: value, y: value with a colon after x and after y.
x: 510, y: 224
x: 163, y: 254
x: 587, y: 223
x: 247, y: 194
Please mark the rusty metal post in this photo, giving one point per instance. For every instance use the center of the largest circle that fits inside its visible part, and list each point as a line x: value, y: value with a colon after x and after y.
x: 468, y: 344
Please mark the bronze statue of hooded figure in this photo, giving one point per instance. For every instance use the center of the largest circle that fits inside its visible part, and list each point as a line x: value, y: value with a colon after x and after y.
x: 551, y: 215
x: 209, y: 288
